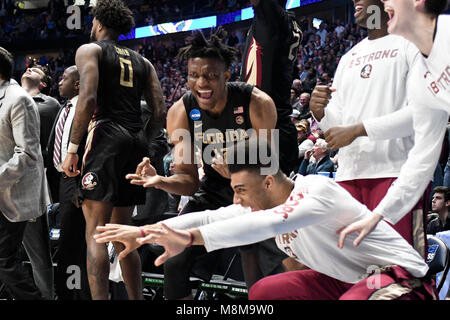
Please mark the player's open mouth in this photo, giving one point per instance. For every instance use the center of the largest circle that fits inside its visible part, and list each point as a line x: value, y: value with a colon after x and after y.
x: 358, y: 9
x: 391, y: 14
x: 205, y: 94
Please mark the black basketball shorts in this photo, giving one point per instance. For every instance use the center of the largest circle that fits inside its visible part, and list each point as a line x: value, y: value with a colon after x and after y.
x: 111, y: 153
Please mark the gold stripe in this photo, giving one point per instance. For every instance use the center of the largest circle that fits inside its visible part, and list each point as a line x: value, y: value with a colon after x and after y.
x: 418, y: 233
x: 391, y: 292
x: 89, y: 139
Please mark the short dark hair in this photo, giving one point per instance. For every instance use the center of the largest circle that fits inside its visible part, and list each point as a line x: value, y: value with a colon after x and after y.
x: 436, y: 7
x: 199, y: 47
x: 6, y: 64
x: 115, y: 15
x: 248, y: 155
x: 444, y: 190
x: 46, y: 79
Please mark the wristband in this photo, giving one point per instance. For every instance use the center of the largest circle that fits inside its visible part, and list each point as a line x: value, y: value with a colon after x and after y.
x: 72, y: 148
x: 191, y: 241
x: 142, y: 232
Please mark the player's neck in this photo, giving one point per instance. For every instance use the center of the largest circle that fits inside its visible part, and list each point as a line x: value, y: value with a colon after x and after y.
x: 282, y: 192
x: 422, y: 35
x: 377, y: 33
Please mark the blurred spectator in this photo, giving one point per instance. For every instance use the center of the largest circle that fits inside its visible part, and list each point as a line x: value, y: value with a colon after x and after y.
x: 440, y: 205
x: 305, y: 140
x: 303, y: 106
x: 317, y: 159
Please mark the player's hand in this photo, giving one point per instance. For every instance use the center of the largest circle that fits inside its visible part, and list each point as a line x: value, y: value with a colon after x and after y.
x: 145, y: 175
x: 363, y: 227
x: 341, y: 136
x: 70, y: 165
x: 127, y: 235
x: 319, y: 100
x: 219, y: 164
x: 174, y: 241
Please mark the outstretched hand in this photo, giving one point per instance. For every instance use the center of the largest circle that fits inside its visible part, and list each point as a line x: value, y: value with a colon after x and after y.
x: 174, y: 241
x: 145, y: 175
x: 124, y: 234
x: 363, y: 227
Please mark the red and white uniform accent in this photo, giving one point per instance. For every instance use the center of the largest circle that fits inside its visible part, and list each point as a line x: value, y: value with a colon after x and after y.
x: 429, y: 94
x: 370, y: 82
x: 305, y: 229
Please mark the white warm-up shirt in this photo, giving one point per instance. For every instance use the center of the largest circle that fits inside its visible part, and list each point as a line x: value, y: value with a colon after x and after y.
x: 305, y: 228
x: 429, y: 94
x: 370, y: 82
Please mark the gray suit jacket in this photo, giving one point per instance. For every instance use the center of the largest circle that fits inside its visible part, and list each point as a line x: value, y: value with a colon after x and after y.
x: 23, y: 186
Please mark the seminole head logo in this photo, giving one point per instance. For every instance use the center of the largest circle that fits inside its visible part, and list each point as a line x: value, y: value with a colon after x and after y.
x: 366, y: 71
x: 89, y: 181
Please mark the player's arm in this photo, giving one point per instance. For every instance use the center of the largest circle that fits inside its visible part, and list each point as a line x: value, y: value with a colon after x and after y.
x: 155, y: 100
x: 86, y: 59
x: 132, y: 237
x: 263, y: 117
x: 247, y: 228
x: 185, y: 180
x: 415, y: 174
x: 263, y: 113
x: 326, y: 102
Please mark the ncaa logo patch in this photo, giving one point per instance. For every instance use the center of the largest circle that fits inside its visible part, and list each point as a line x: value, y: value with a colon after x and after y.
x: 89, y: 181
x: 239, y: 119
x: 366, y: 71
x: 195, y: 114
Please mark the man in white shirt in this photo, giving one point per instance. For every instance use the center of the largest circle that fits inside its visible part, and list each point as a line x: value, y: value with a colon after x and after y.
x: 370, y: 82
x: 305, y: 216
x: 71, y: 244
x: 429, y: 89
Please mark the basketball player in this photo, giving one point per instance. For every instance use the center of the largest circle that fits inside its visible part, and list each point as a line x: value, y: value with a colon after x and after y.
x: 370, y: 81
x: 112, y: 80
x: 268, y: 63
x: 213, y: 115
x: 429, y: 89
x: 304, y: 215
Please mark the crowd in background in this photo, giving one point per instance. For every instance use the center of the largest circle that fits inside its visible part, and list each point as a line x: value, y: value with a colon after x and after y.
x: 50, y: 22
x: 318, y: 57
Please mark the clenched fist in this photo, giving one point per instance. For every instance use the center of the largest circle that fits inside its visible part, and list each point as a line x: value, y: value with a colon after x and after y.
x: 319, y: 100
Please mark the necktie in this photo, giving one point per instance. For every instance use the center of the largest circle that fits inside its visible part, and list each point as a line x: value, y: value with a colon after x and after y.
x: 58, y: 136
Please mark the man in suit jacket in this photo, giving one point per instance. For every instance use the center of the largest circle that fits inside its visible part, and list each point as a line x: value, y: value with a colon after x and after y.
x: 71, y: 244
x: 35, y: 81
x: 322, y: 161
x: 23, y: 187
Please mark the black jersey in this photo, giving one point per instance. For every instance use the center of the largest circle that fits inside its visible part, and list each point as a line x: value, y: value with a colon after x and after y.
x: 270, y: 52
x: 122, y: 77
x: 216, y: 134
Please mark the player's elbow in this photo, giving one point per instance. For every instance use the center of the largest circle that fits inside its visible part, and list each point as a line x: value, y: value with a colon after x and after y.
x: 193, y: 187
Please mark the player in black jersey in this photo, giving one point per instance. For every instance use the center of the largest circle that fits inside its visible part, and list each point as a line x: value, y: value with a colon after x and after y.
x: 213, y: 115
x: 113, y: 79
x: 268, y: 62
